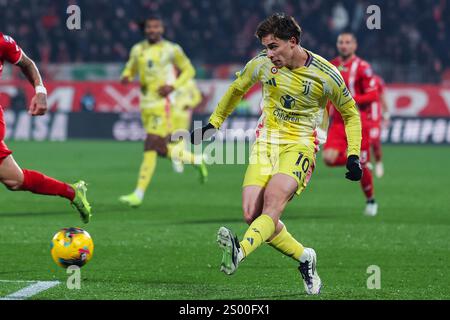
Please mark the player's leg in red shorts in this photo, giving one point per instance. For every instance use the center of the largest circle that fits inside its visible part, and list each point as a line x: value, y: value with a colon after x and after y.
x: 4, y: 151
x: 16, y: 179
x: 367, y: 179
x: 375, y: 140
x: 335, y: 149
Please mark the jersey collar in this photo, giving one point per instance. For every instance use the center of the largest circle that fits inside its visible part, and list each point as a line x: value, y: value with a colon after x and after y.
x: 310, y: 58
x: 308, y: 61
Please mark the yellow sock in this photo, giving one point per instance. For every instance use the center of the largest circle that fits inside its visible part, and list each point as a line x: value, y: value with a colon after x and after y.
x: 286, y: 244
x: 178, y: 151
x: 259, y: 231
x: 146, y: 171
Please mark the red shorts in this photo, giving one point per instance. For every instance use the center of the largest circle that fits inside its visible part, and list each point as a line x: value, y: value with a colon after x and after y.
x: 337, y: 139
x: 4, y: 151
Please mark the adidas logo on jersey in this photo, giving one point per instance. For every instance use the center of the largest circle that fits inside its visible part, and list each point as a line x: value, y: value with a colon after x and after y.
x: 271, y: 82
x: 298, y: 174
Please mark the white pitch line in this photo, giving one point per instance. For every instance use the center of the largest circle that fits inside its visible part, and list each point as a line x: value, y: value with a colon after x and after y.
x: 31, y: 290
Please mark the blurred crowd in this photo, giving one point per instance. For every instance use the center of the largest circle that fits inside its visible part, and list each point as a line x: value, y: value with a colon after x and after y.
x: 414, y: 35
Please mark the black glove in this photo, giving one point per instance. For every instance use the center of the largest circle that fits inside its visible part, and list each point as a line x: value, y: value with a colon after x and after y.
x: 354, y: 168
x: 200, y: 134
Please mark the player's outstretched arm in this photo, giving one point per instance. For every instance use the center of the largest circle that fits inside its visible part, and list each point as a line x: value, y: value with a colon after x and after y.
x: 38, y: 105
x: 246, y: 78
x: 225, y: 107
x: 352, y: 121
x: 345, y: 104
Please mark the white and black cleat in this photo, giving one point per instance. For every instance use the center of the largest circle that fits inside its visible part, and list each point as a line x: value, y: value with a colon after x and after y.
x: 308, y: 271
x: 371, y: 209
x: 231, y: 249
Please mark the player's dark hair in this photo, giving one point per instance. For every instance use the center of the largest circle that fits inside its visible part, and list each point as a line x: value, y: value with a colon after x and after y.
x: 281, y: 26
x: 350, y: 33
x: 151, y: 16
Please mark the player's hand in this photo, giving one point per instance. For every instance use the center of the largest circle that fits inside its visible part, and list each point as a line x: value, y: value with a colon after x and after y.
x: 200, y: 134
x: 38, y: 105
x: 354, y: 168
x: 165, y: 90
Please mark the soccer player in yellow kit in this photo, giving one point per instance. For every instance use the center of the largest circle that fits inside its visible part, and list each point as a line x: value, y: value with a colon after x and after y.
x: 154, y: 60
x: 184, y: 100
x: 296, y: 86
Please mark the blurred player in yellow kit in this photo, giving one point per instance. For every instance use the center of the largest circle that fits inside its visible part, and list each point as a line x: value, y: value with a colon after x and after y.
x: 184, y: 100
x: 154, y: 61
x: 296, y: 87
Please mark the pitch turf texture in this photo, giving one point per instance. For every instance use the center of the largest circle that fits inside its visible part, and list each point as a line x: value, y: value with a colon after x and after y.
x: 167, y: 248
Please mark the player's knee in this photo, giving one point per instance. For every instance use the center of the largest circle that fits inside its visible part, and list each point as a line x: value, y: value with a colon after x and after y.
x: 248, y: 218
x: 274, y: 201
x: 250, y: 213
x: 12, y: 184
x: 162, y: 151
x: 329, y: 157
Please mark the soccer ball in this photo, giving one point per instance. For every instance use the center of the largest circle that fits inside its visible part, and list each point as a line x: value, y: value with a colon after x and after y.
x: 72, y: 247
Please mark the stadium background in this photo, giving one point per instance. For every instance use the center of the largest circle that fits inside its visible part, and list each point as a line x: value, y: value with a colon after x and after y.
x: 81, y: 67
x: 90, y: 109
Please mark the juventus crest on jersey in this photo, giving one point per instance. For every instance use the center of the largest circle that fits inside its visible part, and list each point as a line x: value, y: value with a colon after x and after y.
x: 294, y: 101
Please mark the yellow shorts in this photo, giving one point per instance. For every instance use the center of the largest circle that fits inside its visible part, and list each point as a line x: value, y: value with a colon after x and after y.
x: 266, y: 160
x: 157, y: 122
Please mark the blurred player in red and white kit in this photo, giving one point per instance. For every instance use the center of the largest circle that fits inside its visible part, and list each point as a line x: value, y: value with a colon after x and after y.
x: 379, y: 117
x: 358, y: 77
x: 11, y: 175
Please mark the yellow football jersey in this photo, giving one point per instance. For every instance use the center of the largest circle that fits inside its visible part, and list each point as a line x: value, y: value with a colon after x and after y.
x: 187, y: 95
x: 182, y: 101
x: 294, y: 101
x: 155, y: 66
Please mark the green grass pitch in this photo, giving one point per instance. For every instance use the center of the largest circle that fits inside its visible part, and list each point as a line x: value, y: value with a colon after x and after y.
x: 166, y: 249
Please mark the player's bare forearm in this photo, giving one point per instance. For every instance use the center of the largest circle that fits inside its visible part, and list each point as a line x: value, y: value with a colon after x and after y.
x: 30, y: 70
x: 38, y: 104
